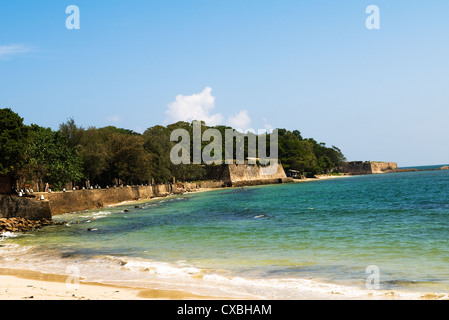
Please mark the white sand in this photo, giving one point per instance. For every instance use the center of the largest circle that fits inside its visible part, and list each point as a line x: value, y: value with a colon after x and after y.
x: 32, y: 285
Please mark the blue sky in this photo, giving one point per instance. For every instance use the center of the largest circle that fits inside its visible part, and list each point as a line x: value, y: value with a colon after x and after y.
x: 307, y: 65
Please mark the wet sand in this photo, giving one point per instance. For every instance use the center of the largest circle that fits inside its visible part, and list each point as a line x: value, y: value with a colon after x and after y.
x: 33, y: 285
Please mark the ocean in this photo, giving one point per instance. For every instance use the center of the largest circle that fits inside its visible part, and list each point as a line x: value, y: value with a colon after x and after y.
x: 308, y: 240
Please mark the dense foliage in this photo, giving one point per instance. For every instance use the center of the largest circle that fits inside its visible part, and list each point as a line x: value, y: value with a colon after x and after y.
x: 13, y: 140
x: 112, y: 156
x: 306, y: 155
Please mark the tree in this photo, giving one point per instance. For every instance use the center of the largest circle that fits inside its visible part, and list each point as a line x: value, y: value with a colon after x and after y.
x: 128, y: 160
x: 94, y: 153
x: 158, y: 144
x: 72, y: 132
x: 51, y: 159
x: 113, y: 155
x: 307, y: 155
x: 13, y: 141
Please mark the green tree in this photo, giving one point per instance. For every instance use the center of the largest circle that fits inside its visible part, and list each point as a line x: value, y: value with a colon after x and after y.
x: 307, y: 155
x: 158, y: 144
x: 94, y: 153
x: 51, y: 159
x: 13, y: 142
x: 72, y: 132
x: 129, y: 161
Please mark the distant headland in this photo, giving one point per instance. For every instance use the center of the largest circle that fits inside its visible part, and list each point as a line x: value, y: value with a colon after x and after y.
x: 376, y: 167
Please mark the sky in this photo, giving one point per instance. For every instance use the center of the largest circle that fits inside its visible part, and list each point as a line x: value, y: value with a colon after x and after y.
x: 313, y: 65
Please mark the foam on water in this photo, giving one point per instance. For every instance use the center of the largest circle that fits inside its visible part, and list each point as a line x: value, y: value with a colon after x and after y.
x: 144, y: 273
x: 7, y: 234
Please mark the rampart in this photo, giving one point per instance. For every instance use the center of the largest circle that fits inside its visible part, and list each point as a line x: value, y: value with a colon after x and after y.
x: 72, y: 201
x: 236, y: 175
x: 12, y: 206
x: 55, y: 203
x: 368, y: 167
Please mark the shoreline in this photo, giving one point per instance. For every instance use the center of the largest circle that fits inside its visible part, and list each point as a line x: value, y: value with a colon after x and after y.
x: 322, y: 177
x: 28, y: 284
x: 20, y: 284
x: 25, y: 284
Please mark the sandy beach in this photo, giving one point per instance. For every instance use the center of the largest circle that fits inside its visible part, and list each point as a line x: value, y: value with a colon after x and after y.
x: 321, y: 177
x: 32, y: 285
x: 19, y: 284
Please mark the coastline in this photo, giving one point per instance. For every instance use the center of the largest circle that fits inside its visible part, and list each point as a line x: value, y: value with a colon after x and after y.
x: 24, y: 284
x: 35, y: 285
x: 27, y: 284
x: 322, y: 177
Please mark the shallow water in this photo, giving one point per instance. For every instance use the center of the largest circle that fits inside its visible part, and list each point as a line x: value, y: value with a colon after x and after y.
x: 289, y: 241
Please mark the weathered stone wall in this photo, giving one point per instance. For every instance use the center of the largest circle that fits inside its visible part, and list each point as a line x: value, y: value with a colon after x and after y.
x: 244, y: 174
x: 383, y: 167
x: 367, y: 167
x: 72, y: 201
x: 55, y: 203
x: 237, y: 175
x: 211, y: 184
x: 28, y: 208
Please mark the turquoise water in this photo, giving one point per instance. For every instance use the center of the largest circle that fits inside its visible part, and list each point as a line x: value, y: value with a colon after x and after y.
x: 326, y: 231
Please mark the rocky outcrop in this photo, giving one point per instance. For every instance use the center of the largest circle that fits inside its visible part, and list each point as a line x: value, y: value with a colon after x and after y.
x: 367, y: 167
x: 444, y: 168
x: 23, y: 225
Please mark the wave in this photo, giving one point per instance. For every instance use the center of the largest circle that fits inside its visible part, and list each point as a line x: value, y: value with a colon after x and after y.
x: 8, y: 234
x: 178, y: 275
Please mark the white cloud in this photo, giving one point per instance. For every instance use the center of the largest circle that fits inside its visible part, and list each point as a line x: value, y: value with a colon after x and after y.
x: 7, y: 51
x: 195, y: 107
x: 114, y: 118
x: 199, y: 106
x: 240, y: 121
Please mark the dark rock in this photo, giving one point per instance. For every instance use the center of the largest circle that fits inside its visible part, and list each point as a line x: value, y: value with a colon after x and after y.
x: 23, y: 225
